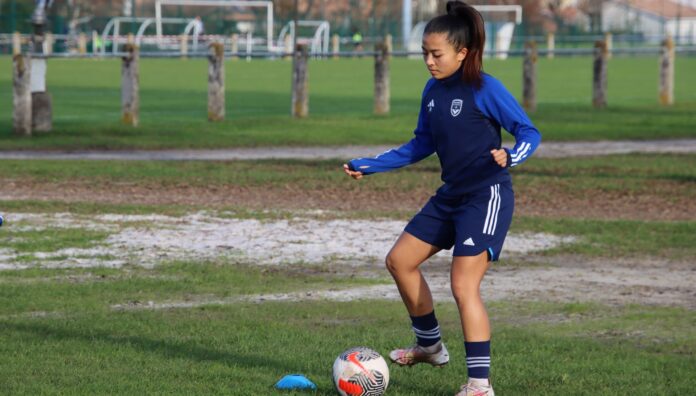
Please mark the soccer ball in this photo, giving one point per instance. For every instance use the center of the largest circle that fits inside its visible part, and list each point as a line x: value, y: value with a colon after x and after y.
x: 360, y: 371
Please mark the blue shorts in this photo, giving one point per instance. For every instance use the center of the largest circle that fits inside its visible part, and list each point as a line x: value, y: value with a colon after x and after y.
x: 473, y: 223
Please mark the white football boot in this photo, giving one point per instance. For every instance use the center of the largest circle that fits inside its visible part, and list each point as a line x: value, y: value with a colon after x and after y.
x: 417, y: 354
x: 476, y: 389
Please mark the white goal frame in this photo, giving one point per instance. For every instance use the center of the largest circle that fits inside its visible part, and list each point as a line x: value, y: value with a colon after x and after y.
x: 268, y: 5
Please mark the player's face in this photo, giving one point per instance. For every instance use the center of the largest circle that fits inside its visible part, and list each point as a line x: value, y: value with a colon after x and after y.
x: 441, y: 58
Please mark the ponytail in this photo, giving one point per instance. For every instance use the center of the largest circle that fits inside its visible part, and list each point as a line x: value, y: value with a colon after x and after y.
x: 465, y: 29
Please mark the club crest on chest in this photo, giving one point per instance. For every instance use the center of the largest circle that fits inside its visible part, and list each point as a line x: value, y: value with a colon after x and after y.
x: 456, y: 107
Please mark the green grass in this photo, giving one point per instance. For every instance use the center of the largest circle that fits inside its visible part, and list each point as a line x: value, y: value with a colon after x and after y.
x: 604, y: 172
x: 245, y: 348
x: 86, y: 100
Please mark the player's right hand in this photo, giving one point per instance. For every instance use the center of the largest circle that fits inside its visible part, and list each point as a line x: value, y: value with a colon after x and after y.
x: 354, y: 174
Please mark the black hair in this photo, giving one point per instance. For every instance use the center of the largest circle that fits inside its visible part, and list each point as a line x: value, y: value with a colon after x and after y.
x: 465, y: 29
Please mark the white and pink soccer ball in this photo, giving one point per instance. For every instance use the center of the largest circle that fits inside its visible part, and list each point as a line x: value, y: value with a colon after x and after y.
x: 360, y: 371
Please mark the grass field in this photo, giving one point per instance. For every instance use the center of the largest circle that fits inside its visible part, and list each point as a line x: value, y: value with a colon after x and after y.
x: 71, y: 323
x: 202, y: 278
x: 86, y: 100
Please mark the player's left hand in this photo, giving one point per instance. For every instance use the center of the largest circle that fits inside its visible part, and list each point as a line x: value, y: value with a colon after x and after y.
x: 500, y: 157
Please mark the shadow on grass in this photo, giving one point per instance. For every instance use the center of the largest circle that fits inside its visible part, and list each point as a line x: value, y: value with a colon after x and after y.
x: 144, y: 344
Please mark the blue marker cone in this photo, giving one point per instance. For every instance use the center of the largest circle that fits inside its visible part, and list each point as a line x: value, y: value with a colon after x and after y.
x: 295, y: 381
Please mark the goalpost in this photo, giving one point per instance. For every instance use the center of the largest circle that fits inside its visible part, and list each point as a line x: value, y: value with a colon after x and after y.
x: 500, y: 35
x: 268, y: 5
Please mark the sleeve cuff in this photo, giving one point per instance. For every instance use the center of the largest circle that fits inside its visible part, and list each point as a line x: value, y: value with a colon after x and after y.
x: 509, y: 158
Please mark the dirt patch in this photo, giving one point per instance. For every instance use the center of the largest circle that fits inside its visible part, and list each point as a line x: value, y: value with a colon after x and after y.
x: 663, y: 200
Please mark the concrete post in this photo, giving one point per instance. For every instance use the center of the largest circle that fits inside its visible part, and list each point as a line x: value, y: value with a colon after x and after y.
x: 216, y: 82
x: 82, y: 44
x: 16, y: 43
x: 48, y: 44
x: 130, y: 86
x: 21, y: 91
x: 609, y: 40
x: 389, y: 42
x: 667, y: 72
x: 300, y: 91
x: 599, y: 75
x: 95, y: 40
x: 382, y: 92
x: 550, y: 45
x: 235, y: 46
x: 529, y: 76
x: 335, y: 45
x: 183, y: 45
x: 287, y: 47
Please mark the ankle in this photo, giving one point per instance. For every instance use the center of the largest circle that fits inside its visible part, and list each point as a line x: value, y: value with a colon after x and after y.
x: 480, y: 381
x: 431, y: 348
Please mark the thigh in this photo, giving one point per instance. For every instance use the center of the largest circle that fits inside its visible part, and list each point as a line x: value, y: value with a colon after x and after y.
x: 433, y: 224
x: 409, y: 252
x: 483, y: 221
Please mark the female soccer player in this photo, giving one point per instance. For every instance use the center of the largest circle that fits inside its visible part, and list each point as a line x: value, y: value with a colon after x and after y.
x: 461, y: 114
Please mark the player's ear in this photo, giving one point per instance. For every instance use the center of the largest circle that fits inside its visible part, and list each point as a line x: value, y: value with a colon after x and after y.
x: 461, y: 54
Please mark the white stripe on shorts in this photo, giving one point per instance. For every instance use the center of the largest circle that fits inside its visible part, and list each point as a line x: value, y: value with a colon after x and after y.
x: 493, y: 209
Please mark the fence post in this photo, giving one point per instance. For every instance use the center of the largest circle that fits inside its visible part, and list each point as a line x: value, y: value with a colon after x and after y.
x: 667, y: 72
x: 287, y: 47
x: 95, y: 42
x: 48, y: 43
x: 389, y: 42
x: 529, y: 76
x: 235, y: 46
x: 609, y: 40
x: 183, y: 45
x: 382, y: 94
x: 216, y: 82
x: 16, y: 43
x: 599, y: 75
x: 300, y: 91
x: 130, y: 86
x: 335, y: 45
x: 21, y: 90
x: 550, y: 45
x: 82, y: 44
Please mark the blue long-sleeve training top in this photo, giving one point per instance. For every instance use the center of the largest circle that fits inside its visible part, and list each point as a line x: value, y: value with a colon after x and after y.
x: 462, y: 125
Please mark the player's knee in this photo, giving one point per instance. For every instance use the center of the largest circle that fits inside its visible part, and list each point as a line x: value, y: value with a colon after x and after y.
x: 464, y: 291
x: 390, y: 263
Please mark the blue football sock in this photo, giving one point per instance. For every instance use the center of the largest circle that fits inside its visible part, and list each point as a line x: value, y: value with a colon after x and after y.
x: 478, y: 358
x: 426, y: 328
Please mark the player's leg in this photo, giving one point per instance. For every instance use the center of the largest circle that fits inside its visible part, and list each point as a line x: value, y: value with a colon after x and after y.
x: 482, y: 224
x: 403, y: 263
x: 427, y: 233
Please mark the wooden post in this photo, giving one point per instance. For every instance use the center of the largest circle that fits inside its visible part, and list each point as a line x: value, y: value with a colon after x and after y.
x: 130, y: 86
x: 300, y: 91
x: 16, y: 43
x: 183, y: 45
x: 335, y: 45
x: 216, y: 82
x: 235, y: 46
x: 529, y: 76
x: 609, y: 40
x: 82, y: 44
x: 48, y: 43
x: 667, y: 72
x: 550, y: 45
x: 599, y: 76
x: 382, y: 94
x: 21, y: 90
